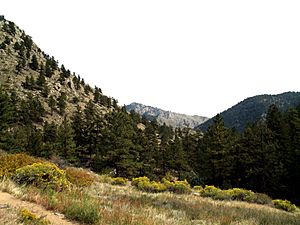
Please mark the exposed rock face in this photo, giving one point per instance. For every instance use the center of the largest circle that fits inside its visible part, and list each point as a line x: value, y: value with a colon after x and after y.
x: 167, y: 117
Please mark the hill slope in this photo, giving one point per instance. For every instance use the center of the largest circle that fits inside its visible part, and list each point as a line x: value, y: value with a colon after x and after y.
x: 167, y: 117
x: 254, y: 108
x: 27, y: 71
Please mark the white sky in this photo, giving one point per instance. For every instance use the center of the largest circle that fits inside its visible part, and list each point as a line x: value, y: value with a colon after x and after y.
x: 193, y: 57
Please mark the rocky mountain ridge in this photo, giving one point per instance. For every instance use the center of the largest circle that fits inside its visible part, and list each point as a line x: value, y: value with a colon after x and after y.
x: 169, y: 118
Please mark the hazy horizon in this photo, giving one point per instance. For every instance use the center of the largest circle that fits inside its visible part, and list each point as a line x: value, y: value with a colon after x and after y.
x: 191, y: 57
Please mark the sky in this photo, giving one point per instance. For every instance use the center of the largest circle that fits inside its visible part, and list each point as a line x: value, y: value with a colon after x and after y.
x: 193, y: 57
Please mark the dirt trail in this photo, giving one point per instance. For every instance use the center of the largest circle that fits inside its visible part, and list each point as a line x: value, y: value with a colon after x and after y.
x: 11, y: 201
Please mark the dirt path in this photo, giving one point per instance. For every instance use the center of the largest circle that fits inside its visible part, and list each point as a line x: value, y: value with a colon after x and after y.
x: 11, y: 201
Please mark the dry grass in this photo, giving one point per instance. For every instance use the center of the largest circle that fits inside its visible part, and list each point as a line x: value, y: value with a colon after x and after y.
x: 103, y: 203
x: 6, y: 185
x: 9, y: 216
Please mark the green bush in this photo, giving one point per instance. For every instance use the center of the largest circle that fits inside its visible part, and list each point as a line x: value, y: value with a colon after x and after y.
x: 9, y: 163
x: 42, y: 175
x: 260, y: 198
x: 284, y: 205
x: 119, y: 181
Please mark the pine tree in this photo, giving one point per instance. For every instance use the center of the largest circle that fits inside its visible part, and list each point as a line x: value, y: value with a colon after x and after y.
x: 41, y: 80
x: 117, y: 146
x: 52, y: 103
x: 217, y: 151
x: 50, y: 137
x: 65, y: 142
x: 62, y: 103
x: 34, y: 65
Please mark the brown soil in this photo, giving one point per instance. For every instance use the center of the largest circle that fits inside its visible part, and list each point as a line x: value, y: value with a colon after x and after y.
x: 9, y: 201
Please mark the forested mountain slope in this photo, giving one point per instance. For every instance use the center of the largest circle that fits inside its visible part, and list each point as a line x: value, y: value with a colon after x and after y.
x: 47, y: 111
x: 254, y: 108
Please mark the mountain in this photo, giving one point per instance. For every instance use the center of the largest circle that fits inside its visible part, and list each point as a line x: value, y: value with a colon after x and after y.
x: 167, y: 117
x: 254, y: 108
x: 29, y: 73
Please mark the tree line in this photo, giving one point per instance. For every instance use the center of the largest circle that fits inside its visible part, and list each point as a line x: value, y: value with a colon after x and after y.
x: 264, y: 158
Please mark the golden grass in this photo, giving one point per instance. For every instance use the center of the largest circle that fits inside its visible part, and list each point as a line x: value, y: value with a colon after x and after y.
x: 9, y: 216
x: 111, y: 204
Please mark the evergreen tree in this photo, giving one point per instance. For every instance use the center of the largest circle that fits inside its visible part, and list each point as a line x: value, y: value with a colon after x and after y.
x: 34, y: 142
x: 96, y: 95
x: 50, y: 136
x: 34, y: 65
x: 119, y: 151
x: 216, y: 160
x: 65, y: 142
x: 62, y: 103
x: 41, y: 80
x: 52, y: 104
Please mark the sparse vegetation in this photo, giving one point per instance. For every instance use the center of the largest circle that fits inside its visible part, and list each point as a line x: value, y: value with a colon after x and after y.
x: 29, y: 218
x: 80, y: 177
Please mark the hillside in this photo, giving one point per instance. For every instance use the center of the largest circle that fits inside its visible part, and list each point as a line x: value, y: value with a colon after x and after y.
x: 253, y: 109
x: 48, y: 111
x: 167, y: 117
x: 89, y: 198
x: 28, y: 72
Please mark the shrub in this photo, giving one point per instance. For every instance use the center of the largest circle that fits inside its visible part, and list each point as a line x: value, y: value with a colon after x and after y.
x: 136, y: 181
x: 104, y: 178
x: 151, y: 186
x: 198, y: 189
x: 284, y: 205
x: 260, y: 198
x: 27, y: 217
x: 42, y: 175
x: 83, y: 209
x: 9, y: 163
x: 239, y: 194
x: 180, y: 187
x: 119, y: 181
x: 210, y: 191
x: 80, y: 177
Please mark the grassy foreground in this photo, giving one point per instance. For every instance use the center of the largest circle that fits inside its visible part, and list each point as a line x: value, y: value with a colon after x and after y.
x: 103, y: 203
x: 88, y: 198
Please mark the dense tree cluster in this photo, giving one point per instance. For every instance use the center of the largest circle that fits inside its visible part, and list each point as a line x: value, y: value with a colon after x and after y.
x: 264, y: 158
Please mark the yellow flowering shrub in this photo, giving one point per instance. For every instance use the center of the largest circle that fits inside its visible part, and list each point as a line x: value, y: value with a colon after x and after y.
x: 9, y: 163
x: 284, y: 205
x: 42, y: 175
x: 119, y: 181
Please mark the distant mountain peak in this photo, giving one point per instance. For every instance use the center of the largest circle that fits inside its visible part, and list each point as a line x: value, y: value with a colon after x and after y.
x: 163, y: 116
